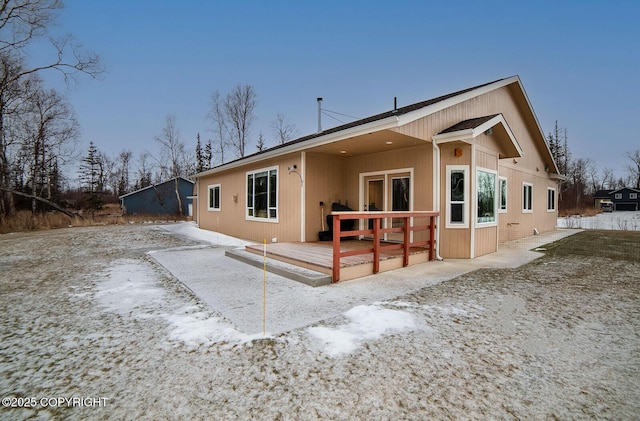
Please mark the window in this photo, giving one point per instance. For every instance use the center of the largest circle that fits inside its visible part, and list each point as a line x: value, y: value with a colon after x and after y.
x: 502, y: 195
x: 457, y: 196
x: 527, y: 197
x: 618, y: 195
x: 486, y: 180
x: 214, y: 197
x: 551, y: 200
x: 262, y: 194
x: 633, y: 195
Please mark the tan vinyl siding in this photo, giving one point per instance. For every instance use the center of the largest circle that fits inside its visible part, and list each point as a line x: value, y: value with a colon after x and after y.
x: 325, y: 182
x: 454, y: 242
x: 231, y: 218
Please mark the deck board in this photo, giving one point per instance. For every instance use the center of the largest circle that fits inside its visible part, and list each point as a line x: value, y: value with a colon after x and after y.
x: 320, y: 253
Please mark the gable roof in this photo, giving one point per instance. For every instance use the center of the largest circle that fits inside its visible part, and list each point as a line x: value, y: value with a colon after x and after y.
x: 387, y: 120
x: 474, y: 127
x: 155, y: 186
x: 602, y: 194
x: 631, y: 189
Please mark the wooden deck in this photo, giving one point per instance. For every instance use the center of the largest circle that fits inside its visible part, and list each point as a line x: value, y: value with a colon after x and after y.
x: 318, y: 256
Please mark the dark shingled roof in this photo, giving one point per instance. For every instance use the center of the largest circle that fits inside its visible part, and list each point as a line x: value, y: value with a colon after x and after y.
x: 472, y: 123
x: 381, y: 116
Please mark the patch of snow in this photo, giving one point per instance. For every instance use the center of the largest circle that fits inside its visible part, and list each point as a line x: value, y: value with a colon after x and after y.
x: 367, y: 323
x: 130, y: 288
x: 620, y: 220
x: 191, y: 231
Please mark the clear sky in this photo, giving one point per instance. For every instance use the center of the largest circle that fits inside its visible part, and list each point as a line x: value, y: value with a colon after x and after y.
x: 579, y: 62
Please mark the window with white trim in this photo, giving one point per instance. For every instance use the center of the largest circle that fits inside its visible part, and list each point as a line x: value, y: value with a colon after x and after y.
x: 633, y: 195
x: 486, y: 192
x: 527, y: 197
x: 551, y: 199
x: 214, y: 198
x: 618, y: 195
x: 457, y: 196
x: 502, y: 194
x: 262, y: 194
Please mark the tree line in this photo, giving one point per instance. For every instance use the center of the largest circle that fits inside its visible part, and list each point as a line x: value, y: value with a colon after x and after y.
x: 583, y: 176
x: 231, y: 118
x: 39, y: 132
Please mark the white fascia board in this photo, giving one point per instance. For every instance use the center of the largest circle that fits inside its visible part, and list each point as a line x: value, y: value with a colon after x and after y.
x: 374, y: 126
x: 441, y: 105
x: 459, y: 135
x: 499, y: 119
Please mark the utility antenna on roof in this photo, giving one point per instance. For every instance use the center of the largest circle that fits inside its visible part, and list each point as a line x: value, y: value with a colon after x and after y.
x: 319, y: 114
x: 395, y: 104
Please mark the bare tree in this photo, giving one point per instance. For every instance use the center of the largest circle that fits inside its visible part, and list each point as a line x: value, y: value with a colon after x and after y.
x: 23, y: 22
x: 282, y: 130
x: 607, y: 179
x: 634, y: 168
x: 144, y: 167
x: 122, y: 172
x: 217, y: 116
x: 173, y: 155
x: 239, y: 106
x: 44, y: 128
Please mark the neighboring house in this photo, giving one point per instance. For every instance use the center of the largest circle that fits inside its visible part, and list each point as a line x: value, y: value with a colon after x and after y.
x: 600, y: 197
x: 477, y: 156
x: 625, y: 199
x: 159, y: 199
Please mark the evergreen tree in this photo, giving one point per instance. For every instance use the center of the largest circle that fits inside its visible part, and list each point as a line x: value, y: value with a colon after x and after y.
x: 90, y: 177
x: 200, y: 162
x: 208, y: 154
x: 260, y: 145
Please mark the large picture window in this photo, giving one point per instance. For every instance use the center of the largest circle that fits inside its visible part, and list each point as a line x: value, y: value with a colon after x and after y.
x: 214, y: 197
x: 486, y: 180
x: 527, y: 197
x: 262, y: 194
x: 457, y: 196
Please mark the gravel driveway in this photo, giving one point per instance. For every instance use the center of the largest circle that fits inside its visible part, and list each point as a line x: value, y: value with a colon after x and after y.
x: 557, y: 338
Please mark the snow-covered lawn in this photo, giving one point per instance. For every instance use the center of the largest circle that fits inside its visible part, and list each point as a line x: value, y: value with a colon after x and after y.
x: 620, y: 220
x: 88, y: 313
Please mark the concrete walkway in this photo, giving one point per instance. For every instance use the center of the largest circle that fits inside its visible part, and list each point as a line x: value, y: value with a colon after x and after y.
x: 235, y: 289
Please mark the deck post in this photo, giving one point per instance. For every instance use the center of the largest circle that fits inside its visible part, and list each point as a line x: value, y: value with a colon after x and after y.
x: 405, y: 248
x: 432, y: 238
x: 376, y: 245
x: 336, y: 248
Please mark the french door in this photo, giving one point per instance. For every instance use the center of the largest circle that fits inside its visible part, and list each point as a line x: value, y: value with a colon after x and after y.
x: 388, y: 192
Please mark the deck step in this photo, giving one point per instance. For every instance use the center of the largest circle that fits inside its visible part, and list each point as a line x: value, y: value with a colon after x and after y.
x: 296, y: 273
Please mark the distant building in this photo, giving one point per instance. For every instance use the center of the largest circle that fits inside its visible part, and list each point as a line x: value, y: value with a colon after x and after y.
x: 625, y: 199
x: 159, y: 199
x: 601, y: 196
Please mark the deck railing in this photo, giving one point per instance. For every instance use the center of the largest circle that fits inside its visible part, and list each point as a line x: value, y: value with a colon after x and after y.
x: 378, y: 233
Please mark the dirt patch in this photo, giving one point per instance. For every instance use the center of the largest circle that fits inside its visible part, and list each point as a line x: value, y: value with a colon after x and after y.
x: 557, y: 338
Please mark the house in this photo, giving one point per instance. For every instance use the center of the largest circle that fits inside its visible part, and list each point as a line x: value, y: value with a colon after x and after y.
x: 625, y: 199
x: 159, y: 199
x: 601, y: 196
x: 477, y: 157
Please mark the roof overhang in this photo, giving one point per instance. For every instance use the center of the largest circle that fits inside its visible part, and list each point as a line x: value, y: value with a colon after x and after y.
x: 496, y: 125
x: 374, y: 126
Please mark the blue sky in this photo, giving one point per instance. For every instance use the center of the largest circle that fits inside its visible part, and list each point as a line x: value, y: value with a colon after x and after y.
x: 579, y: 62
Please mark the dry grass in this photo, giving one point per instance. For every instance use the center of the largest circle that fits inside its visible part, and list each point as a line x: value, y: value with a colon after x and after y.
x: 584, y: 211
x: 609, y: 244
x: 109, y: 215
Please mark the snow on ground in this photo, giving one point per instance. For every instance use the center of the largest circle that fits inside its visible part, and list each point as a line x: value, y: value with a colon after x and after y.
x: 620, y: 220
x: 88, y: 313
x: 367, y: 323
